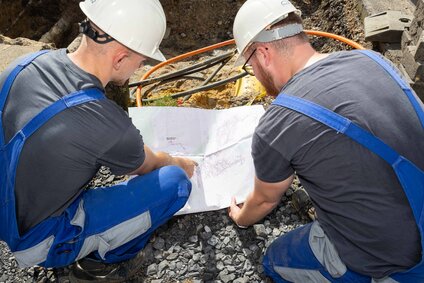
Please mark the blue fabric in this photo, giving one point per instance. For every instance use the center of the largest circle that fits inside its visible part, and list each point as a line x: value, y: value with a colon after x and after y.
x: 394, y: 74
x: 8, y: 84
x: 293, y: 251
x: 410, y: 176
x: 10, y: 155
x: 338, y: 123
x: 162, y: 192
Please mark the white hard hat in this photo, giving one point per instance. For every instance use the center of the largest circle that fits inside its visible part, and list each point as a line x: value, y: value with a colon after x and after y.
x: 138, y: 24
x: 255, y: 16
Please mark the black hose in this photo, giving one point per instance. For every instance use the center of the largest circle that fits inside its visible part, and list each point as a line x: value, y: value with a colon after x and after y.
x: 189, y: 70
x: 188, y: 77
x: 223, y: 63
x: 183, y: 72
x: 201, y: 88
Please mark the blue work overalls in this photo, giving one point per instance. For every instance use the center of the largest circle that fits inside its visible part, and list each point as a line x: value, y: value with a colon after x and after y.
x: 108, y: 224
x: 410, y: 176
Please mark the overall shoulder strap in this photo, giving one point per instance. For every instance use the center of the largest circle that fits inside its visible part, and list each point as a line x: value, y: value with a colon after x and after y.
x: 395, y: 75
x: 12, y: 76
x: 340, y: 124
x: 72, y: 99
x: 409, y: 175
x: 8, y: 84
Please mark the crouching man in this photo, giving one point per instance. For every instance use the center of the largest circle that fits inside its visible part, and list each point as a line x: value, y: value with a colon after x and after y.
x: 352, y: 130
x: 57, y: 128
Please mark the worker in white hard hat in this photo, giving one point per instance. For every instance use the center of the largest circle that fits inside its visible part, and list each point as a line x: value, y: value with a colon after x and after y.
x: 351, y: 129
x: 57, y: 129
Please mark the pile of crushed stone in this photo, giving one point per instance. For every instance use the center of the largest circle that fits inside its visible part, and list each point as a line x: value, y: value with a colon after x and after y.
x: 202, y: 247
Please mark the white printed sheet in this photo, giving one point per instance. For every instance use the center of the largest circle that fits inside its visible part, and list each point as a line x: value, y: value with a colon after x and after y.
x: 218, y: 140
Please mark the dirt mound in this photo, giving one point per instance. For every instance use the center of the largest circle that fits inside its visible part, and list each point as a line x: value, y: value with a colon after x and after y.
x: 191, y: 24
x: 340, y: 17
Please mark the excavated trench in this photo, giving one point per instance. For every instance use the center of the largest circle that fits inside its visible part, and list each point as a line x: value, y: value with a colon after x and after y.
x: 191, y: 25
x: 203, y: 247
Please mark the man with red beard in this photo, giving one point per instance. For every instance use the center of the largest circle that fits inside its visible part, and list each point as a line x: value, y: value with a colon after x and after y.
x: 351, y: 129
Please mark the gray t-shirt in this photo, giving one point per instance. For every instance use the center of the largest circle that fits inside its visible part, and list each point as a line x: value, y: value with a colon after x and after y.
x: 63, y: 155
x: 358, y: 199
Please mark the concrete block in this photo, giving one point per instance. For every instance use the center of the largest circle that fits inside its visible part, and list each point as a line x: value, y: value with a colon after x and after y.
x: 418, y: 87
x: 370, y: 7
x: 405, y: 39
x: 419, y: 54
x: 404, y: 74
x: 391, y: 51
x: 386, y: 26
x: 414, y: 69
x: 417, y: 36
x: 417, y: 23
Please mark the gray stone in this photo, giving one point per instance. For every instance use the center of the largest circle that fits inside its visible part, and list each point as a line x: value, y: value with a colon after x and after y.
x: 159, y: 243
x: 231, y: 269
x: 414, y: 69
x: 260, y: 230
x: 226, y: 277
x: 419, y: 54
x: 152, y: 269
x: 172, y: 256
x: 194, y: 239
x: 418, y: 87
x: 241, y: 280
x: 213, y: 240
x: 162, y: 265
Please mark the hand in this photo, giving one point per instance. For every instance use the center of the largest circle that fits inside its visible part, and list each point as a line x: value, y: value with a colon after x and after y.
x: 186, y: 164
x: 234, y: 211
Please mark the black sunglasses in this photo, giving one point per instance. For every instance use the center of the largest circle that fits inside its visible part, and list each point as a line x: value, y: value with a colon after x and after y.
x: 248, y: 68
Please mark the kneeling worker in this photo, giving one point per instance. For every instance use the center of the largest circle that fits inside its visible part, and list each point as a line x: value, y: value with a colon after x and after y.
x: 352, y: 130
x: 57, y: 128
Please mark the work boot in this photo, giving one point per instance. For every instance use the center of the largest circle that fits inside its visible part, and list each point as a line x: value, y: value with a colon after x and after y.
x: 89, y: 270
x: 302, y: 203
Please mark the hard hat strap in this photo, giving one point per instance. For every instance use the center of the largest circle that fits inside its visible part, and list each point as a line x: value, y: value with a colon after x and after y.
x: 278, y: 33
x: 86, y: 28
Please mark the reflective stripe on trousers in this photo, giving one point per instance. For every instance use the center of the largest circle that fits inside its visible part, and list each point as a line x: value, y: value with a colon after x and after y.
x: 120, y: 218
x: 410, y: 176
x: 36, y: 240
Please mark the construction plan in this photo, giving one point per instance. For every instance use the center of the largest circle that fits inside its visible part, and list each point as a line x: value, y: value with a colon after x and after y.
x: 218, y: 140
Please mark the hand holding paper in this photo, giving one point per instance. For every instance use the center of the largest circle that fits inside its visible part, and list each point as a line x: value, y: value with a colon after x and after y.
x: 219, y: 141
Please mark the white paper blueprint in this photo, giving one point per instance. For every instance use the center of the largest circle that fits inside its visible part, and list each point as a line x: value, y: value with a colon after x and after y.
x: 218, y: 140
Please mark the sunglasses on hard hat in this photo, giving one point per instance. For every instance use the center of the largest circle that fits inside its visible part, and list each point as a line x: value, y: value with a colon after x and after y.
x: 247, y: 67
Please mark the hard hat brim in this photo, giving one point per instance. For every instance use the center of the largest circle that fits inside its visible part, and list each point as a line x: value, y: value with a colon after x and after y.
x: 239, y: 61
x: 158, y: 56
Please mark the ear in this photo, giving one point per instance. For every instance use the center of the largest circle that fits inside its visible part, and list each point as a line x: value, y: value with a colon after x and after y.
x: 119, y: 58
x: 264, y: 55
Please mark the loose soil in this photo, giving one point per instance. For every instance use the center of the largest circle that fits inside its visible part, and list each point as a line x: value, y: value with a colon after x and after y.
x: 339, y: 17
x: 191, y: 24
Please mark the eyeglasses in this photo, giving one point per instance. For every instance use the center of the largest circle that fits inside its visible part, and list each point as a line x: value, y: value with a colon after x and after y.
x: 248, y: 68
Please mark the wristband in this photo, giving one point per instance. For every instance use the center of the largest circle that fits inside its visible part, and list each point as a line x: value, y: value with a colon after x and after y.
x: 241, y: 226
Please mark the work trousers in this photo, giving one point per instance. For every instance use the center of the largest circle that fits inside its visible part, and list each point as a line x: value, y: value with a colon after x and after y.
x: 112, y: 224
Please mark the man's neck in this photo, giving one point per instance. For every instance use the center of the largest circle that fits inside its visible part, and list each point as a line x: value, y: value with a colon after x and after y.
x: 304, y: 56
x: 90, y: 63
x: 315, y: 58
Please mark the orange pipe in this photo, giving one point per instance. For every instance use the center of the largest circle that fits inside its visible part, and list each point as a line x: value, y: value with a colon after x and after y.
x: 336, y: 37
x: 178, y: 58
x: 228, y: 42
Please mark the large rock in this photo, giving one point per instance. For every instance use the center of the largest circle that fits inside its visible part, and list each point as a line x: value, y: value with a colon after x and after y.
x: 10, y: 49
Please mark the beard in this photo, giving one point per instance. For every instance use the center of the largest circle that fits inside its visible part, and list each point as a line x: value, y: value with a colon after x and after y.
x: 120, y: 82
x: 266, y: 80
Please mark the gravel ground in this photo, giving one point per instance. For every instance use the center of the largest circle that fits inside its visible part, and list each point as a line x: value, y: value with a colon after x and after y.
x: 203, y: 247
